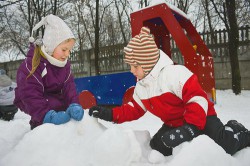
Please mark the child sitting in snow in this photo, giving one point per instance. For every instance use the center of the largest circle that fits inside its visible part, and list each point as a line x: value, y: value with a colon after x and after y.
x: 7, y: 95
x: 45, y: 85
x: 172, y: 93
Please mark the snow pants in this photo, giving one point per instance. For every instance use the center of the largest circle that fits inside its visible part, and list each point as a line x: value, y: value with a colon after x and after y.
x: 232, y: 137
x: 157, y: 144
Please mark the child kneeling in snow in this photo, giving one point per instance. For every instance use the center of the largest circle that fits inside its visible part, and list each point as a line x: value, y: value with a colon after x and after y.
x: 172, y: 93
x: 7, y: 95
x: 45, y: 85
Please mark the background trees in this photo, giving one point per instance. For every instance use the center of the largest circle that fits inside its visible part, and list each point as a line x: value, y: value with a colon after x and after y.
x: 107, y: 22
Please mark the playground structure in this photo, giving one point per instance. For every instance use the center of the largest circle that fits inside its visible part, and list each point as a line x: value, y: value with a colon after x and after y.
x: 165, y: 22
x: 105, y: 89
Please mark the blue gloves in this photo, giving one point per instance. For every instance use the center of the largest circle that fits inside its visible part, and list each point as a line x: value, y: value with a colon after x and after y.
x: 75, y: 111
x: 56, y: 117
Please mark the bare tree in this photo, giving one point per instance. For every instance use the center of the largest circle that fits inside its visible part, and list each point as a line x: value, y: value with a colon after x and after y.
x: 18, y: 19
x: 143, y: 3
x: 227, y: 13
x: 83, y: 18
x: 97, y: 70
x: 209, y: 19
x: 233, y: 45
x: 8, y: 3
x: 120, y: 20
x: 109, y: 29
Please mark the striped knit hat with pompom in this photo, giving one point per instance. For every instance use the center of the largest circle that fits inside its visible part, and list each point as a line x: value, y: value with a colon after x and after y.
x: 142, y: 50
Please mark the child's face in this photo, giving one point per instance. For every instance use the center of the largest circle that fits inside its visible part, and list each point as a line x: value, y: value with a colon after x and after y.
x: 62, y: 51
x: 137, y: 71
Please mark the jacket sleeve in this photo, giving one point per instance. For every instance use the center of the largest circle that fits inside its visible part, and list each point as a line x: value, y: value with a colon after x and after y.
x: 69, y: 89
x: 196, y: 102
x: 31, y: 93
x: 130, y: 111
x: 186, y: 86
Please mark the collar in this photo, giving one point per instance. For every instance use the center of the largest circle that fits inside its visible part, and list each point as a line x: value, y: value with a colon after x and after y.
x: 53, y: 60
x: 163, y: 61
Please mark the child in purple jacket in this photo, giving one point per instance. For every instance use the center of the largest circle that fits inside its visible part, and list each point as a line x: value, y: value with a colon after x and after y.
x: 45, y: 85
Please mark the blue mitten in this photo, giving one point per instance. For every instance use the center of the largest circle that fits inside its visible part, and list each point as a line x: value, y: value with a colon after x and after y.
x: 56, y: 117
x: 75, y: 111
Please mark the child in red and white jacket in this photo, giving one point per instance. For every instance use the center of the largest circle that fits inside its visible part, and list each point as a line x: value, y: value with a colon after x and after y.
x: 172, y: 93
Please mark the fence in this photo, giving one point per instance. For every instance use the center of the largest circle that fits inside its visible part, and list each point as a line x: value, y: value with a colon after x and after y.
x: 219, y: 50
x: 111, y: 59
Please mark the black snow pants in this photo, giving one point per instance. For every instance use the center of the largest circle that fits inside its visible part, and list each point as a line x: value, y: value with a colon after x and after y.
x: 232, y: 137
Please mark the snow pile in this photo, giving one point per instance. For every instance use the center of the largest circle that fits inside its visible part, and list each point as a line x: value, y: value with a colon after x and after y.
x: 99, y: 143
x: 74, y: 143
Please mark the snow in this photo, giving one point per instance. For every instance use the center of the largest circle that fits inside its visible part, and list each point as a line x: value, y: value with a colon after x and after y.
x: 158, y: 2
x: 93, y: 142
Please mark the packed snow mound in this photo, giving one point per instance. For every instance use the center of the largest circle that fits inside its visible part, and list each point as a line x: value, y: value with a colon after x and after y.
x: 201, y: 151
x: 11, y: 132
x: 90, y: 143
x: 99, y: 143
x: 68, y: 144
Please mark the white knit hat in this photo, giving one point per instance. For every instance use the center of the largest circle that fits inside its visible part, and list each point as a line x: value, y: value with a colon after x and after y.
x: 56, y: 31
x: 142, y: 50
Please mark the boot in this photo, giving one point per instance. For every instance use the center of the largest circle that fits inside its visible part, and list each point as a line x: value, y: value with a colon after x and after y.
x: 236, y: 126
x: 240, y: 133
x: 8, y: 112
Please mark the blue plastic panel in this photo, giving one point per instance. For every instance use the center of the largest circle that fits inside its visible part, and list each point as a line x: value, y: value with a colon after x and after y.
x: 107, y: 89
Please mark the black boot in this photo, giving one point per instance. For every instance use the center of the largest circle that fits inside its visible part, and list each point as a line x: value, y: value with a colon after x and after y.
x: 236, y: 126
x: 240, y: 133
x: 8, y: 112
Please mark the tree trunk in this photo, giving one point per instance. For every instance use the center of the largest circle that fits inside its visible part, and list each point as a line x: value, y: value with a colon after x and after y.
x: 233, y: 44
x: 97, y: 70
x: 206, y: 6
x: 120, y: 21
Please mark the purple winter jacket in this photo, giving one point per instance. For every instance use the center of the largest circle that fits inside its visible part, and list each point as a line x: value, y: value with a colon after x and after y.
x: 49, y: 88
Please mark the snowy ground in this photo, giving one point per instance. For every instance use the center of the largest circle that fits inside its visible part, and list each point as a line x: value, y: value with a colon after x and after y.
x: 92, y: 143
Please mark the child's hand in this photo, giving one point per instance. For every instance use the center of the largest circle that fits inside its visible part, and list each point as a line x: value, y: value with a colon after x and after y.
x: 101, y: 112
x: 56, y: 117
x: 75, y: 111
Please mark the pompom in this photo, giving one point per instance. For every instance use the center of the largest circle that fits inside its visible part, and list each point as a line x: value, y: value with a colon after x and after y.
x: 31, y: 39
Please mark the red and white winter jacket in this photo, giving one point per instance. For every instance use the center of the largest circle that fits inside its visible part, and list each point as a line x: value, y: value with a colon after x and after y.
x: 170, y: 92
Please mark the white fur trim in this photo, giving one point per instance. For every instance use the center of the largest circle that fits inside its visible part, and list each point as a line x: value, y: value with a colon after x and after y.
x: 53, y: 60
